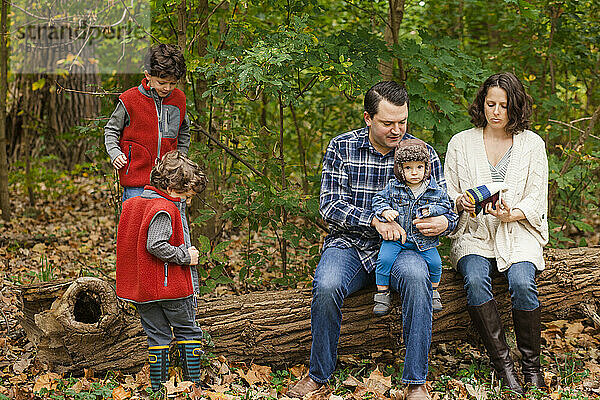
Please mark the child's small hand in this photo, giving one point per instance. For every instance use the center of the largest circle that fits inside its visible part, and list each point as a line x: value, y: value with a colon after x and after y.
x: 194, y: 254
x: 120, y: 161
x: 390, y: 215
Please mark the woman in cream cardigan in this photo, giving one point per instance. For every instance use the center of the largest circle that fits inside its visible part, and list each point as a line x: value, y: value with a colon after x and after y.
x: 509, y: 237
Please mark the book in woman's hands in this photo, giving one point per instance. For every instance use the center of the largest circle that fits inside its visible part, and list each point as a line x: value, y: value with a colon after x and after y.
x: 485, y: 194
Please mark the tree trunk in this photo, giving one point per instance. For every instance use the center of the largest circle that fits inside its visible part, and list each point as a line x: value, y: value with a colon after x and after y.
x: 182, y: 23
x: 4, y: 198
x: 81, y: 324
x: 201, y: 48
x: 282, y: 240
x: 395, y: 15
x: 211, y: 198
x: 86, y: 327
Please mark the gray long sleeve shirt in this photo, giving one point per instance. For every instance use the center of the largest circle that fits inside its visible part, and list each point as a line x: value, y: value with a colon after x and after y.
x: 159, y: 233
x: 157, y: 244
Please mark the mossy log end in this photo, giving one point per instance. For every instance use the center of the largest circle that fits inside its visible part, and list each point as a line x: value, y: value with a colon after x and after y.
x: 81, y: 324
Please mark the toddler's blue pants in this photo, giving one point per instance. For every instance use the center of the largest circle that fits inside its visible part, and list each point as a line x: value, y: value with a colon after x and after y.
x: 389, y: 251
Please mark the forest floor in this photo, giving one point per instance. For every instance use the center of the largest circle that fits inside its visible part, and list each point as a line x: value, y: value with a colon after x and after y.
x: 70, y: 232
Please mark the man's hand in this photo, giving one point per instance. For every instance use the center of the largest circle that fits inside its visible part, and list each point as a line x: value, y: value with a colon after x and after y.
x: 431, y: 226
x: 194, y: 254
x: 120, y: 161
x: 391, y: 231
x: 390, y: 215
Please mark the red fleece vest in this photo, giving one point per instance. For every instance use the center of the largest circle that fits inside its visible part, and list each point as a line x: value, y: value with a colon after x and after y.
x: 139, y: 141
x: 142, y: 277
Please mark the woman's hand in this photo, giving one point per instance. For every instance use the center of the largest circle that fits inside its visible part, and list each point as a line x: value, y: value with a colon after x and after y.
x: 464, y: 204
x: 503, y: 212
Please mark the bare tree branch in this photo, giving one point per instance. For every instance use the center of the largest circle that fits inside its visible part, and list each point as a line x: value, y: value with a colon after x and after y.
x: 568, y: 124
x: 232, y: 153
x: 63, y: 89
x: 308, y: 86
x: 53, y: 19
x: 169, y: 19
x: 204, y: 23
x: 582, y: 138
x: 370, y: 12
x: 138, y: 24
x: 227, y: 149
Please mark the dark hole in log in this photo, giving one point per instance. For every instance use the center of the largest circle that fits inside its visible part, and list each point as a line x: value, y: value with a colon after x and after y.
x: 87, y: 308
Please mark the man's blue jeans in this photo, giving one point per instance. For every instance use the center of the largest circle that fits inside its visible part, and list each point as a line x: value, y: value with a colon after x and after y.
x: 478, y: 272
x: 339, y: 274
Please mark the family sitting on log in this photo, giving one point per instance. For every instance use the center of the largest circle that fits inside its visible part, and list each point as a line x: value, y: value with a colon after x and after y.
x: 503, y: 236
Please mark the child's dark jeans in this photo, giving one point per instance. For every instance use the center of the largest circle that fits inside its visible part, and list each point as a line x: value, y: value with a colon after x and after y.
x: 159, y: 317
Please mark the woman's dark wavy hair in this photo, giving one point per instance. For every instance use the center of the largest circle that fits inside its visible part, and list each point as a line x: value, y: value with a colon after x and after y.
x: 518, y: 107
x: 177, y: 172
x: 165, y: 61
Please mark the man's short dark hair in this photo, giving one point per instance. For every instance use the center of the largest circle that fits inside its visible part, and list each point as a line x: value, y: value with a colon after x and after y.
x: 165, y: 61
x: 386, y: 90
x: 177, y: 172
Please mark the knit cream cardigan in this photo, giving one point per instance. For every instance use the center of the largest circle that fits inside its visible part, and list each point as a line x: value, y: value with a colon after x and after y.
x: 466, y: 166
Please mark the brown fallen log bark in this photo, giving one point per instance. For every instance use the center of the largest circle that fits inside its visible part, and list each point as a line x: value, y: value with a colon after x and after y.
x: 81, y: 324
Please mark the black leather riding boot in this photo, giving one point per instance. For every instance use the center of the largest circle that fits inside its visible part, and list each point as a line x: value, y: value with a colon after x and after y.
x: 528, y: 329
x: 488, y: 324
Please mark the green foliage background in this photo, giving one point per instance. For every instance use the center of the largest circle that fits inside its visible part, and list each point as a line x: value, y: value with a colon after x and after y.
x: 274, y: 81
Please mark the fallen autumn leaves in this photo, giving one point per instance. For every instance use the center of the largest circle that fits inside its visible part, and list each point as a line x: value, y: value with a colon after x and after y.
x: 73, y: 236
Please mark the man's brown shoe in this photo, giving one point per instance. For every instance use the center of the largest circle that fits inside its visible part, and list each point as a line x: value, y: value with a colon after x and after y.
x: 417, y: 392
x: 303, y: 387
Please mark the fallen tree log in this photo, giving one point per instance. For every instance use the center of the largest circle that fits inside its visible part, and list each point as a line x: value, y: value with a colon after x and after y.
x: 81, y: 324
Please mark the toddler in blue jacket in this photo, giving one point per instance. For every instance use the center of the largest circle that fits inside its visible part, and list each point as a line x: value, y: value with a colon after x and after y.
x: 412, y: 194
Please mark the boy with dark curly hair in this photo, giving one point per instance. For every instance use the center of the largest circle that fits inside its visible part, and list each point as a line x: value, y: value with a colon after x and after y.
x: 149, y: 120
x: 155, y: 264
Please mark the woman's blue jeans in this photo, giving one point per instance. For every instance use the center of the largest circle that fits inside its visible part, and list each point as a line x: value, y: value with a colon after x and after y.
x: 339, y: 274
x: 478, y: 272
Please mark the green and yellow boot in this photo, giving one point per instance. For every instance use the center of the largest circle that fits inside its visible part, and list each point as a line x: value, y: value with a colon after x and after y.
x: 159, y: 366
x: 190, y: 352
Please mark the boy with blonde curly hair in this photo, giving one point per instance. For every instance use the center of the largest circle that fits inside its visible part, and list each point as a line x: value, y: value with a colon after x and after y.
x: 155, y: 264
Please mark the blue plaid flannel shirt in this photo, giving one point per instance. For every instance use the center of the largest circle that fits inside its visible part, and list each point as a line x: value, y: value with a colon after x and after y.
x: 353, y: 172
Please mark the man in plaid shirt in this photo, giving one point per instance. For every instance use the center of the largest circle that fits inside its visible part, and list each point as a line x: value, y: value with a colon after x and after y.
x: 357, y: 165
